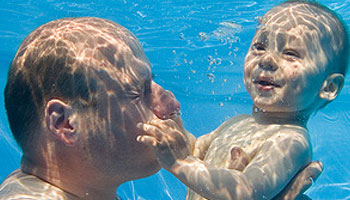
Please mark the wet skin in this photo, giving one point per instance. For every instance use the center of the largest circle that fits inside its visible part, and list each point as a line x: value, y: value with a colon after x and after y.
x: 290, y: 57
x: 89, y: 84
x: 287, y: 72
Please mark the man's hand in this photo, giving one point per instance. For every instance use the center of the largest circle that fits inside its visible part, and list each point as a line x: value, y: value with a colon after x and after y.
x: 301, y: 182
x: 295, y: 188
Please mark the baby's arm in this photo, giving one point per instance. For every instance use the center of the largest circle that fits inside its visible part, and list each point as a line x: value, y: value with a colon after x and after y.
x: 202, y: 144
x: 278, y: 160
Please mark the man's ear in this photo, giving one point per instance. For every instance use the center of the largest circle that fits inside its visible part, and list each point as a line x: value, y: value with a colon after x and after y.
x: 332, y: 86
x: 59, y: 121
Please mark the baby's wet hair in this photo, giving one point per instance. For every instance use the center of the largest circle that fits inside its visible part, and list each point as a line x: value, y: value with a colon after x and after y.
x: 343, y: 56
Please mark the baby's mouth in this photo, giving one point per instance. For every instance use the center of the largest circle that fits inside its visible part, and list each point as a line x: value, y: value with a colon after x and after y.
x: 265, y: 84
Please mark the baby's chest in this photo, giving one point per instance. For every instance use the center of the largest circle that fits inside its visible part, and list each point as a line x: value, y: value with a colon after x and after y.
x: 250, y: 140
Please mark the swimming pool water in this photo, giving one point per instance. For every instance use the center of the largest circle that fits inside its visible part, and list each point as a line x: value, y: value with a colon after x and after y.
x: 197, y: 49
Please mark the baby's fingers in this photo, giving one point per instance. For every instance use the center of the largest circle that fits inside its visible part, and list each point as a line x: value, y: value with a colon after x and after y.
x: 167, y: 124
x: 151, y: 130
x: 148, y: 140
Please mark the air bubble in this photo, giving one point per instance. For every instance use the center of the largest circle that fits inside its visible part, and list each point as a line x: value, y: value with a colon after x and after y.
x: 211, y: 76
x: 182, y: 36
x: 141, y: 15
x: 203, y: 36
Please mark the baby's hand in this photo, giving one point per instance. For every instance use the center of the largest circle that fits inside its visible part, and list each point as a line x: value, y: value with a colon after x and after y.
x: 167, y: 139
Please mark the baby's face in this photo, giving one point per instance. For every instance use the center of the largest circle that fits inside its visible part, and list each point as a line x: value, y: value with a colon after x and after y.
x: 286, y: 64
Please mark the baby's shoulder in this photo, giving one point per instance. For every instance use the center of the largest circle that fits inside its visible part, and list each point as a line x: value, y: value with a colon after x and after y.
x: 293, y: 131
x: 292, y: 136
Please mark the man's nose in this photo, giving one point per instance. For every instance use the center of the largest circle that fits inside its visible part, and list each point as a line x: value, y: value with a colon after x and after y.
x: 268, y: 62
x: 164, y: 103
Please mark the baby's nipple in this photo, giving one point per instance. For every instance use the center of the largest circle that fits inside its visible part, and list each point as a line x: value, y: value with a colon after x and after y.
x: 239, y: 159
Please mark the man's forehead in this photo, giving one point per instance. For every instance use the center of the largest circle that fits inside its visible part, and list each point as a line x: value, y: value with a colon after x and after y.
x: 107, y: 49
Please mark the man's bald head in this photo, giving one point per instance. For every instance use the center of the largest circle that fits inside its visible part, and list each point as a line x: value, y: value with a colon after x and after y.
x: 73, y: 59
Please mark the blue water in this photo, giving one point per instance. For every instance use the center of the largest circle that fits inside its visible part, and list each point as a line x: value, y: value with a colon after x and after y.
x: 197, y: 49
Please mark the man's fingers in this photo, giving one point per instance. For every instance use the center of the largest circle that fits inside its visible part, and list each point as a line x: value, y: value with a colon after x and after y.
x: 301, y: 182
x: 314, y: 169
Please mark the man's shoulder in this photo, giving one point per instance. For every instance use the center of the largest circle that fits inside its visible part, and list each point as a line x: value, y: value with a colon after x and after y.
x: 20, y: 186
x: 14, y: 187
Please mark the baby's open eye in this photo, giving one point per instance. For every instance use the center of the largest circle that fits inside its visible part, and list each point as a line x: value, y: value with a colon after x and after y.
x: 258, y: 46
x: 291, y: 54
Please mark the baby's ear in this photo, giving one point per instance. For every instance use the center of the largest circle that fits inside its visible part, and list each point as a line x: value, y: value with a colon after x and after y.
x: 60, y: 121
x: 332, y: 86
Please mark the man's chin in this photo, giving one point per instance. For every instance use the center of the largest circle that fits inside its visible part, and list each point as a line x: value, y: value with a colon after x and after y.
x: 146, y: 170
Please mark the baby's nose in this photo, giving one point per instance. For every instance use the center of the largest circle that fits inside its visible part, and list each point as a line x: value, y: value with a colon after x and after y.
x: 268, y: 62
x: 164, y: 103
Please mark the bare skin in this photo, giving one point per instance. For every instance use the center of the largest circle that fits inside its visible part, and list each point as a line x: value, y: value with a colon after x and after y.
x: 289, y: 73
x: 29, y: 186
x: 212, y: 171
x: 96, y: 86
x: 87, y: 152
